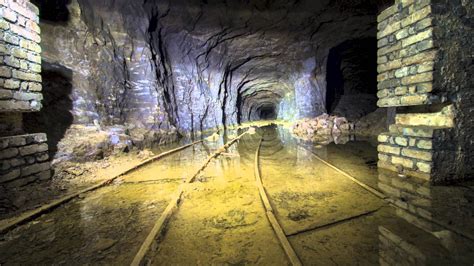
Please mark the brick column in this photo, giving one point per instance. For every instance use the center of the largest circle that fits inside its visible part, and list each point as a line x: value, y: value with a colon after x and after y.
x: 23, y: 157
x: 418, y: 75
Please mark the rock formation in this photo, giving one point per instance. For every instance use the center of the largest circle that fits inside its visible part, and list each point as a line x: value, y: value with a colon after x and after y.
x: 160, y: 69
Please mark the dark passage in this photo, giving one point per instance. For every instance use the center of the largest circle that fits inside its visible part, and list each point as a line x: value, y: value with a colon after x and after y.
x: 352, y: 78
x: 53, y: 10
x: 267, y: 112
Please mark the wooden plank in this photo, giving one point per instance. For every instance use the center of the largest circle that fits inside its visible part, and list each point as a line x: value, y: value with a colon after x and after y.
x: 173, y: 206
x: 30, y: 215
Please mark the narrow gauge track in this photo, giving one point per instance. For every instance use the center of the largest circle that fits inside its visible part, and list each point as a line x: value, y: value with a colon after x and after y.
x: 385, y: 198
x: 163, y: 217
x: 31, y: 215
x: 279, y: 231
x: 282, y: 238
x: 152, y: 238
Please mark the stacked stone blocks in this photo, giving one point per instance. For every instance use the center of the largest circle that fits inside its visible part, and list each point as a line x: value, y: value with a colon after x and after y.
x: 412, y: 195
x: 408, y: 62
x: 23, y: 159
x: 406, y: 55
x: 20, y: 60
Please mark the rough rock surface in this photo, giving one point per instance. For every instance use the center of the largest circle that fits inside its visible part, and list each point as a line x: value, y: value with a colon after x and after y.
x: 322, y: 127
x: 185, y: 66
x: 372, y: 124
x: 84, y: 143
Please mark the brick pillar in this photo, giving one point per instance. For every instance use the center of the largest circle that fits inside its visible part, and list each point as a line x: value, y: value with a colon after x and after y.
x: 422, y: 63
x: 23, y: 157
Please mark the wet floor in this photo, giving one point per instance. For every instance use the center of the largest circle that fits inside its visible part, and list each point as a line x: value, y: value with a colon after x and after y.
x: 329, y: 219
x: 221, y: 219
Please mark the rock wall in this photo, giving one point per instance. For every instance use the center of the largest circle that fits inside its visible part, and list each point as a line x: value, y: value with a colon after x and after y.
x: 157, y: 67
x: 419, y: 43
x: 23, y: 158
x: 454, y: 80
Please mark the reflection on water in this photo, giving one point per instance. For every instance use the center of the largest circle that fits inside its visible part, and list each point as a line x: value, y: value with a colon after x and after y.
x: 444, y: 213
x: 221, y: 220
x: 329, y: 219
x: 423, y: 225
x: 107, y: 225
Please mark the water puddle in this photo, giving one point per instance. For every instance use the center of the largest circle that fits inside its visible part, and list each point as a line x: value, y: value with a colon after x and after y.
x: 328, y: 218
x: 107, y: 225
x: 221, y: 219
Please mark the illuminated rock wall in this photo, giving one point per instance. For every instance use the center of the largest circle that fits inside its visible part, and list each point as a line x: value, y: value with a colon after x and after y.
x: 423, y: 64
x: 23, y: 157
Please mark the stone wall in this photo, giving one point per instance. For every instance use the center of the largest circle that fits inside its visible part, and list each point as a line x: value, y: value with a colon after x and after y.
x: 23, y: 157
x: 20, y: 61
x: 427, y: 139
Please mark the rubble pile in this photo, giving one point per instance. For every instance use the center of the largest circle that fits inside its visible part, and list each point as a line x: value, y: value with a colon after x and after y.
x: 322, y: 126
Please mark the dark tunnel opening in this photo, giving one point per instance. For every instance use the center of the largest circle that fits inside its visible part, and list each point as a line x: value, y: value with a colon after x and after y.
x: 267, y: 112
x: 53, y: 10
x: 335, y: 80
x: 352, y: 78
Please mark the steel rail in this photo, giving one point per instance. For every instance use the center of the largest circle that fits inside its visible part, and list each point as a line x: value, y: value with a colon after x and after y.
x: 286, y: 245
x: 390, y: 201
x: 31, y: 215
x: 173, y: 205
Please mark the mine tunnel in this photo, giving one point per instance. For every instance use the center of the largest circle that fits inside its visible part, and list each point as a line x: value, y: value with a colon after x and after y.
x: 266, y: 112
x: 256, y: 132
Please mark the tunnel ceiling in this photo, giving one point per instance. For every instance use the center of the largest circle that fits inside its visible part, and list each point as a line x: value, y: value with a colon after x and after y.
x: 212, y: 60
x: 263, y: 40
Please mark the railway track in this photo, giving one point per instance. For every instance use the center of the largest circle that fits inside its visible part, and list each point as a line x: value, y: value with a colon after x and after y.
x: 282, y: 238
x: 164, y: 216
x: 387, y: 199
x: 267, y: 197
x: 30, y: 215
x: 283, y: 235
x: 158, y: 228
x: 279, y: 232
x: 153, y: 238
